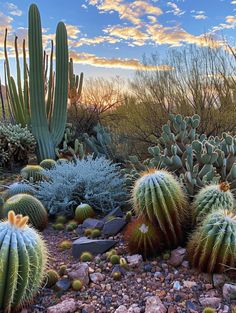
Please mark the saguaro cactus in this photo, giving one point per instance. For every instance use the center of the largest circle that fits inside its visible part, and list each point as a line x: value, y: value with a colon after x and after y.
x: 47, y: 131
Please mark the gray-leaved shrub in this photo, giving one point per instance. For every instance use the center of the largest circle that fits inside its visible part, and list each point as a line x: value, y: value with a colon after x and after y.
x: 97, y: 182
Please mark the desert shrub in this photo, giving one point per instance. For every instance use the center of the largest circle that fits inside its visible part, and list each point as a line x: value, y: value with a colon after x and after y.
x: 16, y: 144
x: 96, y: 182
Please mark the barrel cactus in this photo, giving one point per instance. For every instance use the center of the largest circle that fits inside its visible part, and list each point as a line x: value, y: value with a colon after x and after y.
x: 17, y: 188
x: 142, y: 237
x: 27, y: 205
x: 82, y: 212
x: 211, y: 198
x: 159, y: 196
x: 48, y: 163
x: 32, y: 173
x: 23, y: 259
x: 212, y: 247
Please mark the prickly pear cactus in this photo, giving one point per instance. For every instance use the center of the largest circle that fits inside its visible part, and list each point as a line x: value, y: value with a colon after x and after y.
x: 23, y: 259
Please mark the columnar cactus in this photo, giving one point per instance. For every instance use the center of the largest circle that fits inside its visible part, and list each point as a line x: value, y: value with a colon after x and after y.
x: 27, y: 205
x: 159, y: 196
x: 212, y: 247
x: 47, y: 131
x: 142, y: 237
x: 23, y: 259
x: 32, y: 173
x: 212, y: 198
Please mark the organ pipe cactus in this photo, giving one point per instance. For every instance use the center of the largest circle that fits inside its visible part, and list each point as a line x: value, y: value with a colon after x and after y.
x: 212, y: 198
x: 212, y: 247
x: 48, y: 133
x: 75, y: 85
x: 159, y: 196
x: 23, y: 258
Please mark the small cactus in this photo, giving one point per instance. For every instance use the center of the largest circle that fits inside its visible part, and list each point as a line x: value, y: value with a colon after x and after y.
x: 88, y: 232
x: 65, y: 245
x: 128, y: 216
x: 58, y: 226
x: 62, y: 270
x: 212, y: 198
x: 60, y: 219
x: 142, y: 237
x: 212, y: 247
x: 110, y: 253
x: 86, y: 257
x: 116, y: 275
x: 52, y: 278
x: 48, y: 164
x: 96, y: 233
x: 32, y: 173
x: 115, y: 259
x: 82, y: 212
x: 123, y: 263
x: 209, y: 310
x: 77, y: 285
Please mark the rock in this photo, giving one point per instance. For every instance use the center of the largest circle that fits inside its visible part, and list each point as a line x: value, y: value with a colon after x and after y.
x: 147, y: 267
x: 134, y: 309
x: 229, y: 292
x: 134, y: 260
x: 94, y: 246
x: 121, y: 309
x: 189, y: 284
x: 154, y: 305
x: 218, y: 280
x: 88, y: 308
x: 177, y: 285
x: 117, y: 212
x: 213, y: 302
x: 62, y: 284
x: 191, y: 307
x: 81, y: 273
x: 177, y: 256
x: 96, y: 277
x: 66, y: 306
x: 93, y: 223
x: 113, y: 227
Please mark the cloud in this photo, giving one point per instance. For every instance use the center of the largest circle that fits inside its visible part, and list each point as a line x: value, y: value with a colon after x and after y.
x: 128, y: 11
x: 94, y: 41
x: 233, y: 2
x: 72, y: 31
x: 128, y: 33
x: 13, y: 9
x: 129, y: 64
x: 175, y: 9
x: 230, y: 22
x: 152, y: 19
x: 199, y: 17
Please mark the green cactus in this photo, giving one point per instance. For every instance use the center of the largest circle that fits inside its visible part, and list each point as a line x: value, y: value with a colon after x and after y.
x: 17, y: 188
x: 96, y: 233
x: 58, y: 226
x: 23, y: 259
x: 159, y: 196
x: 143, y: 237
x: 86, y: 257
x: 212, y: 198
x: 77, y: 285
x: 82, y: 212
x: 32, y: 173
x: 75, y: 85
x: 61, y: 219
x: 212, y: 247
x: 48, y: 164
x: 209, y: 310
x: 27, y: 205
x: 48, y: 132
x: 65, y: 245
x: 115, y: 259
x: 52, y: 278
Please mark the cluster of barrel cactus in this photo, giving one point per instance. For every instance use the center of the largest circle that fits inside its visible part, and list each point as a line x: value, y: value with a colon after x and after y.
x: 196, y: 159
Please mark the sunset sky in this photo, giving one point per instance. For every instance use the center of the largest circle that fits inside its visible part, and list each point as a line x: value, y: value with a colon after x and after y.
x: 110, y: 37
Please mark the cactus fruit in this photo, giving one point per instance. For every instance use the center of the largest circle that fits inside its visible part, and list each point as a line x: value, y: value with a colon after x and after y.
x: 52, y: 278
x: 82, y: 212
x: 48, y: 164
x: 32, y: 173
x: 159, y: 197
x: 212, y: 247
x: 115, y: 259
x: 86, y: 257
x: 65, y: 245
x: 23, y: 256
x: 116, y: 275
x: 77, y: 285
x: 142, y: 237
x: 211, y: 198
x: 27, y: 205
x: 16, y: 188
x: 58, y: 226
x: 96, y: 233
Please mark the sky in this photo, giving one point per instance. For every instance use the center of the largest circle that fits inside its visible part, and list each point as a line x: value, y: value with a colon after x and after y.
x: 110, y: 37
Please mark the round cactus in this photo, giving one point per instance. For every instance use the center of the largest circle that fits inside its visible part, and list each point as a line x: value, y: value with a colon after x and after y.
x: 52, y: 278
x: 48, y: 164
x: 115, y: 259
x: 159, y: 196
x: 23, y: 258
x: 77, y: 285
x: 60, y: 219
x: 27, y: 205
x: 86, y: 257
x: 17, y: 188
x: 62, y: 270
x: 65, y: 245
x: 58, y: 226
x: 212, y: 247
x: 82, y: 212
x: 116, y: 275
x: 212, y: 198
x: 32, y: 173
x: 96, y: 233
x: 142, y: 237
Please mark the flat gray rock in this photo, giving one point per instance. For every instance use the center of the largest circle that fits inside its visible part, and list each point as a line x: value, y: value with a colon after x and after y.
x: 93, y: 223
x: 94, y: 246
x: 113, y: 227
x: 117, y: 212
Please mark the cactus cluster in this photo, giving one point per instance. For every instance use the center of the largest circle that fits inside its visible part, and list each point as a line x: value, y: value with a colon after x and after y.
x: 23, y: 253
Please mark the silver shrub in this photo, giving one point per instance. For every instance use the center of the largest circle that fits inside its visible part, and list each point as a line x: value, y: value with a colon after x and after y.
x: 97, y: 182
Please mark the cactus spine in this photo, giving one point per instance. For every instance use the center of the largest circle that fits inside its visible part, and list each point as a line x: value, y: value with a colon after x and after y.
x: 23, y: 258
x: 159, y: 196
x: 212, y: 247
x: 47, y: 133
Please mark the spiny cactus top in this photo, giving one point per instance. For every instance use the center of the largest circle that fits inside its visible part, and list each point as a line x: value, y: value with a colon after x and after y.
x: 159, y: 196
x: 23, y: 259
x: 212, y: 198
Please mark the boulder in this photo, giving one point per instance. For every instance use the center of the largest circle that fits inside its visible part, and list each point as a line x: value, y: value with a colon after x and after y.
x: 81, y: 273
x: 92, y: 223
x: 229, y: 292
x: 113, y: 227
x: 117, y: 212
x: 210, y: 301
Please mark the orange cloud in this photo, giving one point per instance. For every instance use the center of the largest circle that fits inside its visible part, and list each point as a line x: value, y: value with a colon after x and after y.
x: 94, y: 41
x: 128, y: 33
